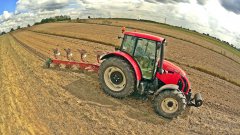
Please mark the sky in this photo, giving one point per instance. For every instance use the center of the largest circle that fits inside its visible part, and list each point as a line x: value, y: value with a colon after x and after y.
x: 219, y: 18
x: 7, y: 6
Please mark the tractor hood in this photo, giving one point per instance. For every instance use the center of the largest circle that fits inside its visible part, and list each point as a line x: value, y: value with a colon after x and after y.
x: 168, y: 66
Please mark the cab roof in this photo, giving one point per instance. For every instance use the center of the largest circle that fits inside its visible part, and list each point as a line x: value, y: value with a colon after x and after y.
x: 144, y: 35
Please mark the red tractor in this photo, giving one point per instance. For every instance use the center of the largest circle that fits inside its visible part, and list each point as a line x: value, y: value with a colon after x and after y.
x: 139, y: 65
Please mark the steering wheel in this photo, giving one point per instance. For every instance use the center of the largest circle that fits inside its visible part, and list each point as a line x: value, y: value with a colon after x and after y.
x: 147, y: 57
x: 144, y: 61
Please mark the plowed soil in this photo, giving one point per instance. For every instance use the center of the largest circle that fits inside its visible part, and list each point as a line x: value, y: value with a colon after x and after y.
x: 35, y: 100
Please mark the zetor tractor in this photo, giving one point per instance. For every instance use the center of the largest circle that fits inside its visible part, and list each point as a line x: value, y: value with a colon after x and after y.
x: 139, y: 65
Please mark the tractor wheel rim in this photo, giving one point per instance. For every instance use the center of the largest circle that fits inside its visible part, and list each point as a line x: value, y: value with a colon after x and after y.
x: 115, y: 78
x: 169, y: 105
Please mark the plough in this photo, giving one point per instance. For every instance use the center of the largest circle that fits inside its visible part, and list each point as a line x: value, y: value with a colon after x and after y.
x: 69, y: 63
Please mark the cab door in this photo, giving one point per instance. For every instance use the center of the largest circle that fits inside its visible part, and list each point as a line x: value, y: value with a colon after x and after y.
x: 145, y: 55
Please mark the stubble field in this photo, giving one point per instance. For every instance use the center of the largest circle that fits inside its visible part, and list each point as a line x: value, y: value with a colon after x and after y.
x: 35, y: 100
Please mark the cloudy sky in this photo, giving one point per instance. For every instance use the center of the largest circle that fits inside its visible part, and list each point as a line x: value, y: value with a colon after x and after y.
x: 219, y: 18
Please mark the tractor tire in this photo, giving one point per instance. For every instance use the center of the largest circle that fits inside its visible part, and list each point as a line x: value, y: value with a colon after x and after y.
x: 170, y: 103
x: 117, y: 77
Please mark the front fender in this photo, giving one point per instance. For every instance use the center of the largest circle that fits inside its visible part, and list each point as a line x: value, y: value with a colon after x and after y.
x: 166, y: 87
x: 128, y: 58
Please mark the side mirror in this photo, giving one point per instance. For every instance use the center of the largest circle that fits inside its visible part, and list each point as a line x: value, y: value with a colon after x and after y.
x: 158, y: 45
x: 117, y: 48
x: 165, y: 43
x: 119, y: 37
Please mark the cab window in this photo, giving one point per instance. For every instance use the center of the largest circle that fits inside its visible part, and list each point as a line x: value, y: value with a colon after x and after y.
x: 128, y: 44
x: 145, y: 55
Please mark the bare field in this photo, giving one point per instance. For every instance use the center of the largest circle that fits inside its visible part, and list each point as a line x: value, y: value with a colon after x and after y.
x: 106, y: 34
x: 39, y: 101
x: 134, y: 25
x: 35, y: 100
x: 45, y: 44
x: 177, y: 50
x: 167, y: 30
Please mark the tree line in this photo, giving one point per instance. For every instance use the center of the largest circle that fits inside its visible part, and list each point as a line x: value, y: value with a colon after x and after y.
x: 54, y: 19
x: 46, y: 20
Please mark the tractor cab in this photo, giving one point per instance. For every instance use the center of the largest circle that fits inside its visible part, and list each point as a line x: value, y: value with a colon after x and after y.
x: 145, y: 49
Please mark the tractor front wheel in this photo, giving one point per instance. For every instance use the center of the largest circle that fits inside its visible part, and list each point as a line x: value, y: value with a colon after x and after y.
x: 116, y: 77
x: 170, y: 103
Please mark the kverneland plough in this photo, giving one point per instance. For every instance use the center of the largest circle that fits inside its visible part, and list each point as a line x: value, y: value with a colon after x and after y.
x: 139, y: 65
x: 57, y: 60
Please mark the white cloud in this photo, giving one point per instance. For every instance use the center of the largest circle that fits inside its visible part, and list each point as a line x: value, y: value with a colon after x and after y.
x: 113, y: 3
x: 5, y: 16
x: 32, y: 5
x: 206, y: 16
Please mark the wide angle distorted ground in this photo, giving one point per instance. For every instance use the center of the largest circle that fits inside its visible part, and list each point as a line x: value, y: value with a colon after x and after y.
x: 35, y: 100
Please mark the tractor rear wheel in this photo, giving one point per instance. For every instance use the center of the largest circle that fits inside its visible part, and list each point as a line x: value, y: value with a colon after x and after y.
x: 170, y: 103
x: 116, y: 77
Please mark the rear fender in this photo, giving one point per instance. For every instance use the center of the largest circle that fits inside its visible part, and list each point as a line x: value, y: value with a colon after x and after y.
x: 129, y: 58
